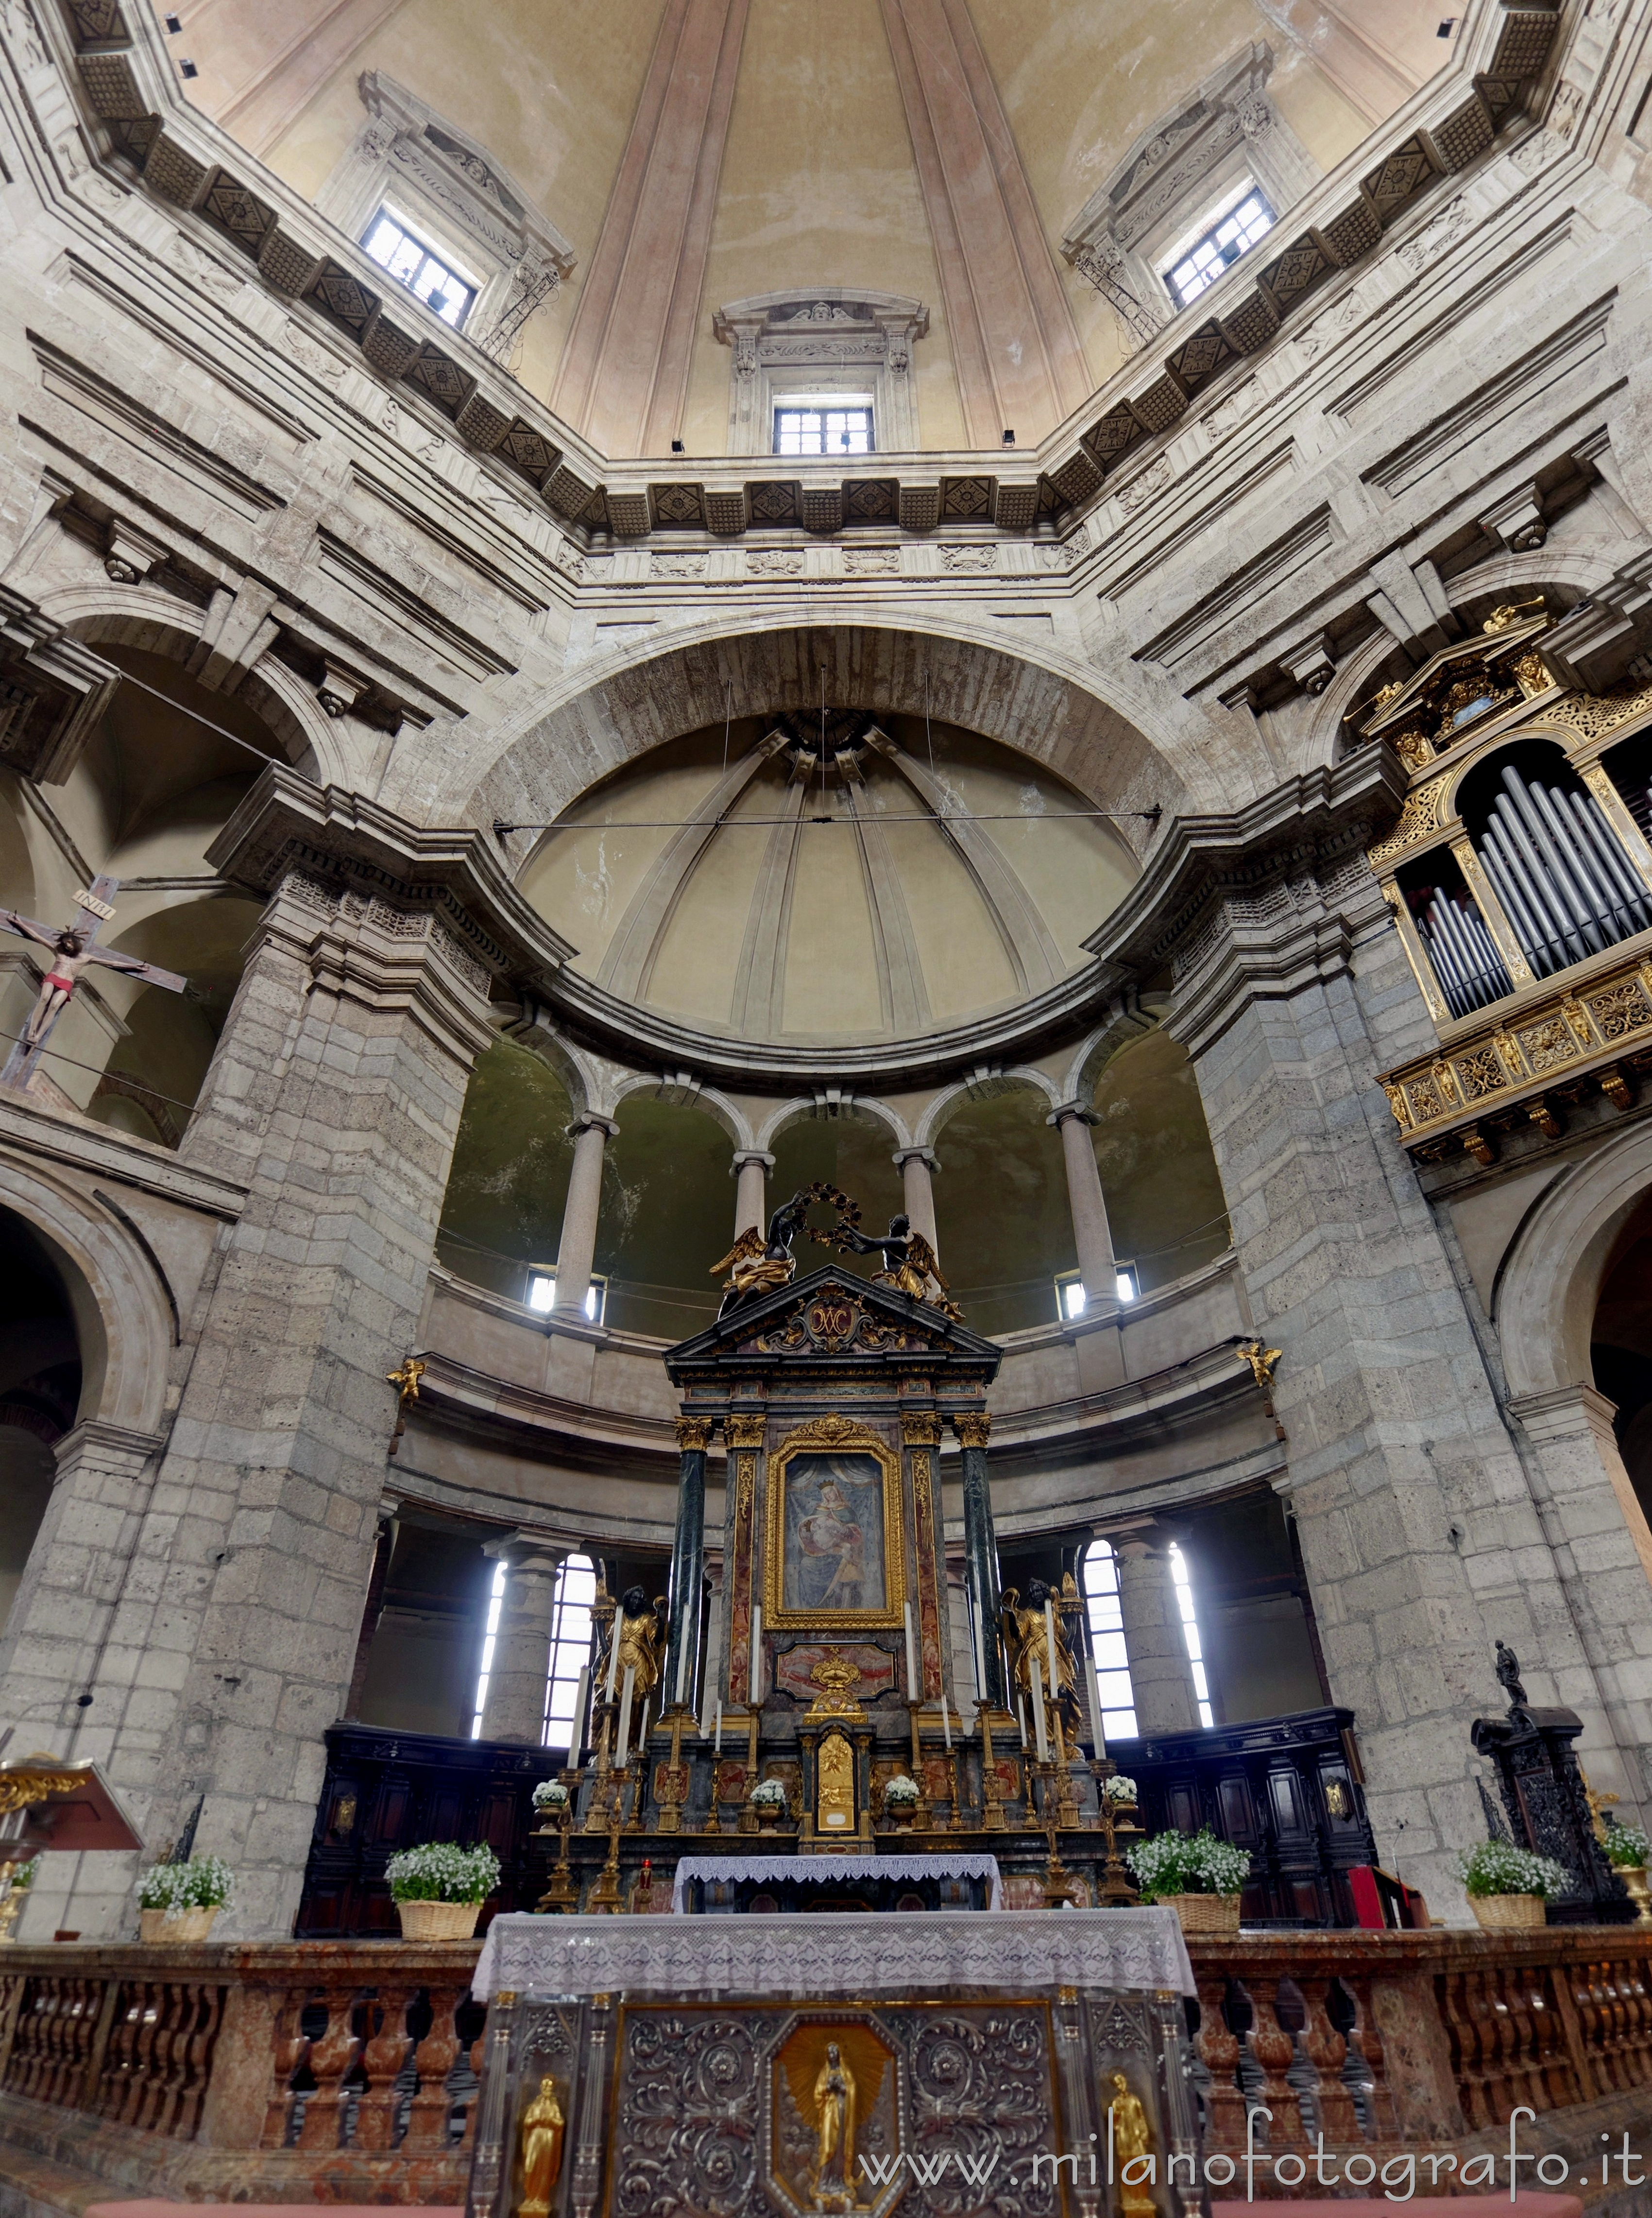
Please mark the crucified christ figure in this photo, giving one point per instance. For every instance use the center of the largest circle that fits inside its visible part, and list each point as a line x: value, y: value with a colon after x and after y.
x: 73, y: 949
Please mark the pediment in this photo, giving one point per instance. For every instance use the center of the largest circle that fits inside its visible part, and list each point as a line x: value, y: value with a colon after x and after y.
x: 833, y: 1313
x: 1456, y: 688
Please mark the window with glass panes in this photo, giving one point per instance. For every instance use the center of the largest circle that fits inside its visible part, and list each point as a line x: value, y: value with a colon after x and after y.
x: 419, y: 267
x: 495, y: 1604
x: 1234, y: 231
x: 1184, y: 1586
x: 824, y: 427
x: 1099, y: 1577
x: 576, y: 1590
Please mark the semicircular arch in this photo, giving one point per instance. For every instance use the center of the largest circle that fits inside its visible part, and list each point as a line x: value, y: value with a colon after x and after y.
x: 1549, y: 1287
x: 982, y: 1087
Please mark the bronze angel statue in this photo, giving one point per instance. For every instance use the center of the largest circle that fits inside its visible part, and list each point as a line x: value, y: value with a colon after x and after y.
x: 909, y: 1263
x: 640, y: 1627
x: 756, y: 1264
x: 1026, y: 1635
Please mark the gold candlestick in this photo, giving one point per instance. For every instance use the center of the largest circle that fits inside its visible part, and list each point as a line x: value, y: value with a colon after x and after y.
x: 991, y: 1793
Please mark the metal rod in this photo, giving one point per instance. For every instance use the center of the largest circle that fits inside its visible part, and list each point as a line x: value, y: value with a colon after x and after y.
x: 501, y: 831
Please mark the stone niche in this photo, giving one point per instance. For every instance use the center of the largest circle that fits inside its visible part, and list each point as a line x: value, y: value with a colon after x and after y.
x: 827, y: 341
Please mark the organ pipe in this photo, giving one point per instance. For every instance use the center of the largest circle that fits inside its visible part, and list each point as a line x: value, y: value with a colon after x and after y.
x: 1565, y: 883
x: 1465, y: 959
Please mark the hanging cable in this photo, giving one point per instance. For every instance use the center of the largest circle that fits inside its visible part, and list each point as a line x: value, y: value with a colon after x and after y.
x: 728, y: 715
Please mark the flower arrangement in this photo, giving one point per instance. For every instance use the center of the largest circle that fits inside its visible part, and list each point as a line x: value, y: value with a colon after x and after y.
x: 1627, y: 1847
x: 441, y: 1871
x: 768, y: 1795
x: 1499, y: 1868
x: 1120, y: 1789
x: 204, y: 1883
x: 25, y: 1875
x: 551, y: 1795
x: 901, y: 1791
x: 1188, y: 1863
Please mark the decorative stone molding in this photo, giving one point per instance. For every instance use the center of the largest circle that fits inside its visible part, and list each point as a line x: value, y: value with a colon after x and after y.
x: 409, y: 156
x: 830, y: 340
x: 1176, y: 169
x: 53, y: 691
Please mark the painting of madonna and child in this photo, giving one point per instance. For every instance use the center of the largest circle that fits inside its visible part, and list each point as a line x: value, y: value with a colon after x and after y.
x: 834, y: 1547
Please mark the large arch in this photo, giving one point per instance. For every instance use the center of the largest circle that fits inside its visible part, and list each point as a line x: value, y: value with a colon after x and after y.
x: 1549, y: 1287
x: 1052, y: 708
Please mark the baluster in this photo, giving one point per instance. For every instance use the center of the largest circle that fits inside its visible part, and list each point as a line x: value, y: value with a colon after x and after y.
x: 117, y: 2056
x: 1220, y: 2049
x: 147, y: 2050
x: 387, y: 2048
x: 329, y: 2058
x: 464, y: 2082
x: 1637, y: 2041
x: 427, y: 2113
x: 290, y: 2046
x: 1328, y: 2051
x: 1274, y: 2050
x: 1523, y: 2039
x: 1555, y: 2068
x: 1364, y: 2072
x: 1302, y: 2074
x: 196, y: 2044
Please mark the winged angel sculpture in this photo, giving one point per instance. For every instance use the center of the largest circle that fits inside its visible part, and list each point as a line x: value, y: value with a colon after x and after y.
x: 758, y: 1264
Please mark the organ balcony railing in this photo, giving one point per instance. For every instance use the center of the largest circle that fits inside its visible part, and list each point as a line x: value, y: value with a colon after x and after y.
x: 1519, y: 877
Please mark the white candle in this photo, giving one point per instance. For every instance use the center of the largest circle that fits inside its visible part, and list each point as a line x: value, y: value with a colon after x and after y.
x: 911, y: 1658
x: 1021, y: 1714
x: 577, y: 1730
x: 612, y: 1652
x: 1051, y: 1650
x: 1040, y: 1734
x: 757, y: 1654
x: 719, y: 1749
x: 946, y: 1723
x: 642, y: 1732
x: 1095, y: 1684
x: 682, y: 1658
x: 623, y: 1737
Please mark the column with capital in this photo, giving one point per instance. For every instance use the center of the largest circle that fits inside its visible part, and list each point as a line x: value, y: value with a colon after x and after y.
x: 577, y: 1250
x: 688, y: 1563
x: 1092, y: 1234
x: 1155, y: 1646
x: 751, y: 1169
x: 973, y: 1428
x: 521, y: 1667
x: 918, y: 1166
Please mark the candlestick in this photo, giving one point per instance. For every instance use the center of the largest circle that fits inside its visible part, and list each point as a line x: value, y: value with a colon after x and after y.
x: 623, y: 1737
x: 718, y: 1748
x: 1041, y: 1736
x: 911, y: 1658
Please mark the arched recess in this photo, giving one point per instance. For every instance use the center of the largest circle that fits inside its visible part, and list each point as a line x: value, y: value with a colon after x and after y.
x: 508, y: 1181
x: 1002, y: 1222
x: 1166, y: 1208
x: 845, y: 1141
x: 667, y: 1211
x: 686, y: 1092
x: 983, y: 1087
x: 816, y: 1108
x: 1052, y: 708
x: 1549, y: 1288
x: 40, y: 1390
x: 1621, y: 1351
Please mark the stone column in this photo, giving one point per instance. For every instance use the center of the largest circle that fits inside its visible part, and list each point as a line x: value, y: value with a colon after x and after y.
x: 334, y: 1097
x: 918, y: 1167
x: 521, y: 1669
x: 1161, y: 1676
x: 688, y: 1564
x: 1091, y: 1233
x: 973, y: 1428
x: 577, y: 1249
x: 751, y: 1169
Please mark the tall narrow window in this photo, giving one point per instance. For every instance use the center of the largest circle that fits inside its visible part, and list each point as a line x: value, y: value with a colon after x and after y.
x: 1190, y: 1632
x: 419, y: 267
x: 1099, y: 1577
x: 824, y: 427
x: 576, y: 1590
x: 495, y: 1603
x: 1234, y: 229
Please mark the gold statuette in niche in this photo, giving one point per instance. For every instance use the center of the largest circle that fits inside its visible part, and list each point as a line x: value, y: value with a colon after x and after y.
x: 1132, y: 2142
x: 835, y: 1796
x: 542, y: 2129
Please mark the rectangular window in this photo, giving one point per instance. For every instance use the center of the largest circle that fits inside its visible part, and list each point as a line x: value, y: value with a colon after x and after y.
x: 824, y: 426
x: 1100, y: 1578
x: 576, y: 1591
x: 419, y: 267
x: 1234, y: 230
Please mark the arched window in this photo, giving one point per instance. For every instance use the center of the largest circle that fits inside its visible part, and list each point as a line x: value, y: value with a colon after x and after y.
x: 1098, y: 1575
x: 1190, y: 1632
x: 495, y: 1604
x: 576, y: 1590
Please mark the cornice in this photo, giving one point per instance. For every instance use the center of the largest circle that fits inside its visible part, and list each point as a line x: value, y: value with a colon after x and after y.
x: 134, y: 110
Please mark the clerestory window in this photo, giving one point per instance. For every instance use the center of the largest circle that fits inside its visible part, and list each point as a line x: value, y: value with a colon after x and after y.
x: 1243, y: 219
x: 576, y: 1590
x: 1099, y: 1577
x: 824, y: 427
x: 411, y: 262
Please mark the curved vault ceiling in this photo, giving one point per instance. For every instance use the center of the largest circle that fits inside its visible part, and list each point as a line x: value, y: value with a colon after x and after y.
x: 818, y: 184
x: 715, y: 895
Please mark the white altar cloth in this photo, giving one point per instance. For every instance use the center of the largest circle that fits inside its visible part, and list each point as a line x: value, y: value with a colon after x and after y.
x: 860, y: 1866
x: 802, y: 1957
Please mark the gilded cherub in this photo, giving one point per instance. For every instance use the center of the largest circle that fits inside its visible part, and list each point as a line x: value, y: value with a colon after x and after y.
x: 909, y: 1263
x: 757, y: 1265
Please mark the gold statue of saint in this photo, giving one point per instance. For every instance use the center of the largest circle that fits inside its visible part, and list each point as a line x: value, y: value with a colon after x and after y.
x: 1026, y: 1636
x: 832, y: 2174
x: 834, y: 1810
x: 639, y: 1628
x: 1132, y: 2139
x: 542, y: 2129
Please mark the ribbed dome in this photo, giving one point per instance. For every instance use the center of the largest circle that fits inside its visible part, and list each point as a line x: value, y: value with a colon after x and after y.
x: 941, y: 886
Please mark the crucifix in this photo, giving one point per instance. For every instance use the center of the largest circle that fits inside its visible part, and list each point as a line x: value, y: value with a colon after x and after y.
x: 72, y: 948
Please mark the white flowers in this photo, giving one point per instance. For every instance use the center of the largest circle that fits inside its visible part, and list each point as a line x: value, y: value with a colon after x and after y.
x: 550, y: 1794
x: 1120, y: 1789
x: 1627, y: 1847
x: 1499, y: 1868
x: 768, y: 1795
x: 204, y: 1883
x: 900, y: 1790
x: 1189, y: 1863
x: 25, y: 1875
x: 441, y: 1871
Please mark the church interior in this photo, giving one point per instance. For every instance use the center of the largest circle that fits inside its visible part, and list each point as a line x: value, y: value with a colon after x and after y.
x: 927, y: 1510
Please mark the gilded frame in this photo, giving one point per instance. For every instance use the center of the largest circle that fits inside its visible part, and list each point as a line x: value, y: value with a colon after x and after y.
x: 828, y: 1434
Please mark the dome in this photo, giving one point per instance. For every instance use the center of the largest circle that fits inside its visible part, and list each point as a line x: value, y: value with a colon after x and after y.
x: 834, y: 878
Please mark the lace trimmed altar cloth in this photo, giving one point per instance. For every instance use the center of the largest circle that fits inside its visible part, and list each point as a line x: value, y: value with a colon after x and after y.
x: 852, y: 1953
x: 860, y: 1866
